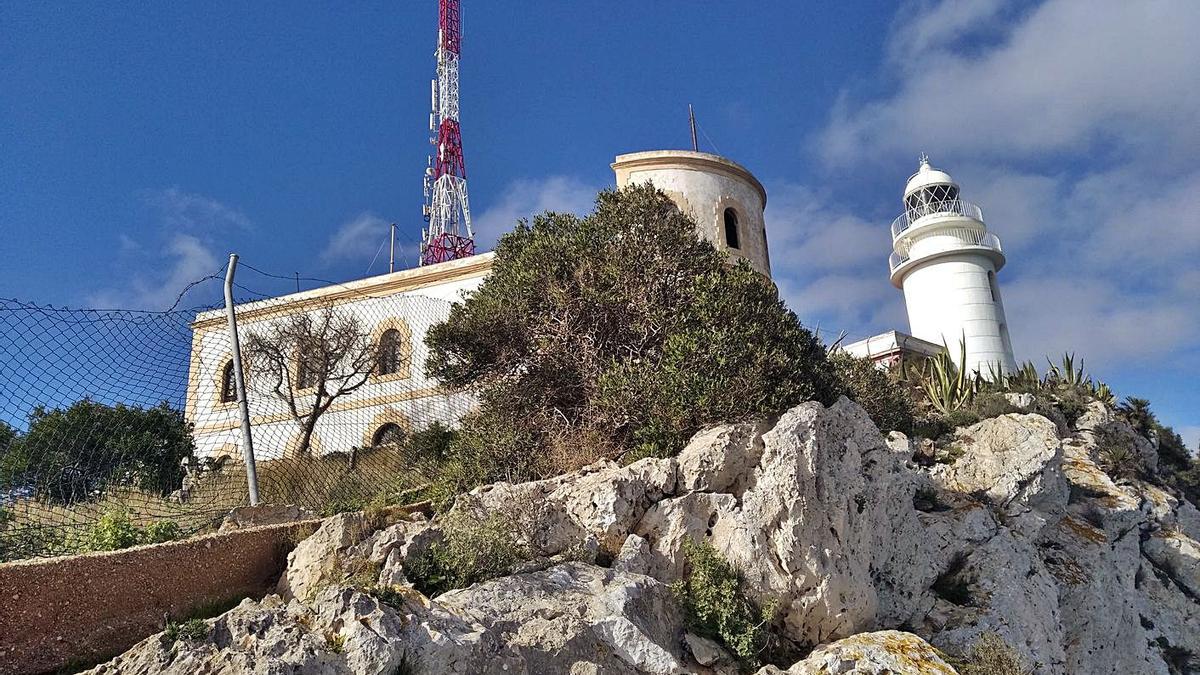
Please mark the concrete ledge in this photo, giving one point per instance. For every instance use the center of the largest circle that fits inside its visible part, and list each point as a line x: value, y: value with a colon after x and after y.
x: 82, y: 609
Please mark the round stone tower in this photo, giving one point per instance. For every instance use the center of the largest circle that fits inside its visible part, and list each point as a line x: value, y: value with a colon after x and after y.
x: 946, y: 261
x: 724, y: 199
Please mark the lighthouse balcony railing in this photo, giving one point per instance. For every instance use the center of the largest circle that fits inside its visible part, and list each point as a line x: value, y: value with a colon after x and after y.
x: 966, y: 238
x: 944, y: 207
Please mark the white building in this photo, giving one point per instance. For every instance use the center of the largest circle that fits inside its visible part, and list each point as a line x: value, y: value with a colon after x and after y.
x: 945, y: 260
x: 398, y: 309
x: 726, y: 201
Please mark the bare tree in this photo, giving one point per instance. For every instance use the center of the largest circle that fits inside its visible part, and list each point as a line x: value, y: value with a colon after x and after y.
x: 311, y: 360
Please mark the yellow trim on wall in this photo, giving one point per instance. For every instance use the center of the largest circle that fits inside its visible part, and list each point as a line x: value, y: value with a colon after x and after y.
x: 346, y: 406
x: 388, y: 415
x: 382, y: 286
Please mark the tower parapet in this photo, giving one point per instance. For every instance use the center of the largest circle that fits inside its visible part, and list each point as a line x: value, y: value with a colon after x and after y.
x: 724, y: 198
x: 945, y: 260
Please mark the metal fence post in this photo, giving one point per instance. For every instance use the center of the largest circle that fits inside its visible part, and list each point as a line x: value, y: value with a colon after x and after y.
x: 240, y: 383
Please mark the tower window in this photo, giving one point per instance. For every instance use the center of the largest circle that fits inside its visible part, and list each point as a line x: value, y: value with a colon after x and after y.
x: 228, y: 384
x: 388, y: 434
x: 391, y: 352
x: 731, y: 229
x: 993, y: 287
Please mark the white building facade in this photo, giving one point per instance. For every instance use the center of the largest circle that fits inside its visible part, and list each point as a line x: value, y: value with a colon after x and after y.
x: 394, y: 401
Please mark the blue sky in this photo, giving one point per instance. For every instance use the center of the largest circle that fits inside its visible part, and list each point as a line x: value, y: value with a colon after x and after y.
x: 141, y: 144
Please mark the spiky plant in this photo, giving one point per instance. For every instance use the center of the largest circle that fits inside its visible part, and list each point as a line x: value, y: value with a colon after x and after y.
x: 1137, y: 414
x: 946, y: 386
x: 1102, y: 393
x: 1025, y: 378
x: 1068, y: 374
x: 1119, y: 461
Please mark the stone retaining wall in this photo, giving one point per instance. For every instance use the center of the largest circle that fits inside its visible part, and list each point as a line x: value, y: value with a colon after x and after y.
x: 78, y: 610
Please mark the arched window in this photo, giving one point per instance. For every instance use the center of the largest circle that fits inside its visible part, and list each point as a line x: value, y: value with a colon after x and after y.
x: 388, y: 434
x: 228, y: 384
x: 391, y: 353
x: 731, y: 228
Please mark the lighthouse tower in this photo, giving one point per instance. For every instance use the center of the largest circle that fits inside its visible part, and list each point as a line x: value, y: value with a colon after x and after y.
x: 946, y: 261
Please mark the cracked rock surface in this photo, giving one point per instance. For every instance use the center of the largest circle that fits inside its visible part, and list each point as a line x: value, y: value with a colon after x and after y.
x: 1022, y: 534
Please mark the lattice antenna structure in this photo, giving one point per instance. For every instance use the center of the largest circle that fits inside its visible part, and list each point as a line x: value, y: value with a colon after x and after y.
x: 448, y: 236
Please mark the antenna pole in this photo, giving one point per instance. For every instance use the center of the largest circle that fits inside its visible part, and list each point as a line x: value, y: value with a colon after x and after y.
x: 449, y: 235
x: 692, y: 123
x: 392, y: 253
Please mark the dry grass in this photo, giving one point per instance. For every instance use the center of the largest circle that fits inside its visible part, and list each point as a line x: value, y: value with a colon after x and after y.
x: 324, y: 485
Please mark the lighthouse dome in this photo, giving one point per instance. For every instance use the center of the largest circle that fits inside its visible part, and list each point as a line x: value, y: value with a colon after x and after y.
x: 927, y: 176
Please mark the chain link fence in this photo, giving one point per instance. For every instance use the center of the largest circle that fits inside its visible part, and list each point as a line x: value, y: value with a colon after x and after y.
x: 121, y: 426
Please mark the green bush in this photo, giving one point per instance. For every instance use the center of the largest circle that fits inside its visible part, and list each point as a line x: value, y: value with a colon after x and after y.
x: 880, y: 393
x: 192, y: 629
x: 615, y: 333
x: 115, y: 531
x: 74, y: 453
x: 716, y: 605
x: 475, y: 547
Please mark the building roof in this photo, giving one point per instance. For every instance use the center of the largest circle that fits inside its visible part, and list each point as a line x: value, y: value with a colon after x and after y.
x: 382, y: 285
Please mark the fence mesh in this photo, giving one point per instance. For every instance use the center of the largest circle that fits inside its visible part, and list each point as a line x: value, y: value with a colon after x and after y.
x: 120, y: 427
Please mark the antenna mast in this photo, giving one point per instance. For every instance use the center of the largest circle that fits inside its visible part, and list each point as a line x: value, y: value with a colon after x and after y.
x: 448, y: 235
x: 692, y: 124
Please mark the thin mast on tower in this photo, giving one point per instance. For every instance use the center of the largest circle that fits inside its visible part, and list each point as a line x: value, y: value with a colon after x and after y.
x: 448, y: 235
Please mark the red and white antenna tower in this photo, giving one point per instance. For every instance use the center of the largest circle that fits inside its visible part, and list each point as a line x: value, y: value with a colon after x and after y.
x: 448, y: 235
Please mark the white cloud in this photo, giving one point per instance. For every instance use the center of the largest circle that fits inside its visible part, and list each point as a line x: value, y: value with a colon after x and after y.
x: 1065, y: 76
x: 357, y: 239
x: 189, y: 211
x: 158, y: 267
x: 525, y: 198
x: 187, y: 260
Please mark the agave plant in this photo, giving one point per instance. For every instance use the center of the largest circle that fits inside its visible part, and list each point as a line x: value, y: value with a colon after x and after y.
x: 1102, y: 393
x: 1025, y: 378
x: 947, y: 387
x: 1068, y: 374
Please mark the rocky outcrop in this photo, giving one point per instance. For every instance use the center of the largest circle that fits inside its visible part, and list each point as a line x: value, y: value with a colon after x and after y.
x: 1016, y: 532
x: 885, y: 652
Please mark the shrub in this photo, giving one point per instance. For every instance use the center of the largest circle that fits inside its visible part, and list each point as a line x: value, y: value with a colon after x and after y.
x: 618, y: 332
x: 879, y: 392
x: 74, y: 453
x: 990, y: 655
x: 475, y: 547
x: 716, y: 605
x: 116, y: 531
x: 192, y: 629
x: 1118, y: 460
x: 161, y: 531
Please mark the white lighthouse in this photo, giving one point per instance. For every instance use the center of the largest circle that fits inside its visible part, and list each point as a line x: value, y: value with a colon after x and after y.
x: 946, y: 261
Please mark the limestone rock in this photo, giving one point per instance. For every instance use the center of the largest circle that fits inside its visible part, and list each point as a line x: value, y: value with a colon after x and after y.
x: 1009, y: 460
x: 264, y: 514
x: 576, y: 612
x: 317, y: 560
x: 887, y: 652
x: 260, y: 638
x: 721, y: 459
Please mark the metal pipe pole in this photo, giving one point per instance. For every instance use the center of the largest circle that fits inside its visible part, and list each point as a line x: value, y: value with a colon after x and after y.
x: 392, y: 256
x: 240, y: 383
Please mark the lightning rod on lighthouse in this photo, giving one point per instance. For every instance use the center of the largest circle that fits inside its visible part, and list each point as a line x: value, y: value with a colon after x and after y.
x: 448, y: 236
